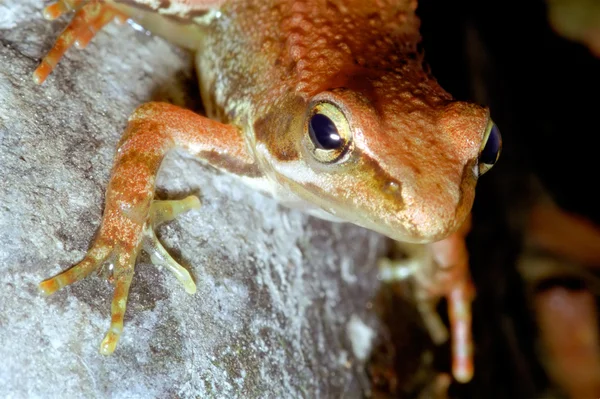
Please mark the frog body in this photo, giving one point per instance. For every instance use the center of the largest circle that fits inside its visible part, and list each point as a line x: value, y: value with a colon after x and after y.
x: 324, y: 105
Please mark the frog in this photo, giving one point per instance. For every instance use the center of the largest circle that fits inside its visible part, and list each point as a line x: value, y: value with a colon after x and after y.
x: 325, y: 105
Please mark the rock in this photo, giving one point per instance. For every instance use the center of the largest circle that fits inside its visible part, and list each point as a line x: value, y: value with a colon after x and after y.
x: 276, y: 288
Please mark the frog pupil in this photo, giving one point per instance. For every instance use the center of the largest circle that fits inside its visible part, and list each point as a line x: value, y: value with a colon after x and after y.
x: 323, y: 133
x: 489, y: 155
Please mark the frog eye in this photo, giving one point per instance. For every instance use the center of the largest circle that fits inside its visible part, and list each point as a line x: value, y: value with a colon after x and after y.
x: 490, y: 148
x: 328, y: 132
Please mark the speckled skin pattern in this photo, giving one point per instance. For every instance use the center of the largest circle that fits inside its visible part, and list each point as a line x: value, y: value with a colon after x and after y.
x: 409, y: 134
x: 410, y: 165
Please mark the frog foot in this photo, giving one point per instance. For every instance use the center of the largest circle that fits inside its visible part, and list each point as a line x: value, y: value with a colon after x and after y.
x: 417, y: 259
x: 90, y: 17
x: 120, y: 256
x: 440, y: 270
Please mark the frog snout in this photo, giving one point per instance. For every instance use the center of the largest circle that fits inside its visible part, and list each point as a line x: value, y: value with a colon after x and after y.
x: 432, y: 212
x: 430, y: 224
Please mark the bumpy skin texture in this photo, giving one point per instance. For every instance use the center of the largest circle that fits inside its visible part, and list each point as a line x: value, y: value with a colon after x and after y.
x: 409, y: 166
x: 363, y: 57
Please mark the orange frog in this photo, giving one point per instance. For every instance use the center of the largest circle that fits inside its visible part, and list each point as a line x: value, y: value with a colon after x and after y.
x: 324, y: 105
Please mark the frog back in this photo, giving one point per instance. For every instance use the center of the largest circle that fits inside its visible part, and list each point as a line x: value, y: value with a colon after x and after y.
x: 257, y: 54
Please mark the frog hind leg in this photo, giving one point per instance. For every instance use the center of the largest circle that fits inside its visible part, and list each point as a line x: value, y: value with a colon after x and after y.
x: 131, y: 213
x: 89, y: 18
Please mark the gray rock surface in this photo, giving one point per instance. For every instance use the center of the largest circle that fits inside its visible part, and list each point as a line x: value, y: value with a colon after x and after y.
x: 276, y: 289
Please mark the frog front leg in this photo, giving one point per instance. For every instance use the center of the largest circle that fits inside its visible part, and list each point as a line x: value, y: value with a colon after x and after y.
x: 453, y: 281
x: 441, y: 269
x: 153, y: 130
x: 90, y: 17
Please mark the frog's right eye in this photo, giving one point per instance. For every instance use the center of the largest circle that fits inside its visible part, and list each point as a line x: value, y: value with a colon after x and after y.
x: 328, y: 132
x: 490, y: 148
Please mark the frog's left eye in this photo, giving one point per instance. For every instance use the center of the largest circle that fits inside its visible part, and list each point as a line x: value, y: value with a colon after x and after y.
x: 490, y: 148
x: 328, y: 132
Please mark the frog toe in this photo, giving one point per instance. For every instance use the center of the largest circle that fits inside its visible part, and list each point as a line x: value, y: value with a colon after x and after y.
x: 161, y: 257
x: 89, y: 18
x: 123, y: 275
x: 59, y: 8
x: 92, y: 261
x: 392, y: 270
x: 160, y: 212
x: 164, y: 210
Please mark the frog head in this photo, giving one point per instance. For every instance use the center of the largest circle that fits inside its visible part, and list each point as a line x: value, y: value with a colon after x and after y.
x: 362, y: 130
x: 385, y: 155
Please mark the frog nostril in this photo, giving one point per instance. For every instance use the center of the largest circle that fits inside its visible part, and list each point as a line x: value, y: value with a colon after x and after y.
x: 394, y: 189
